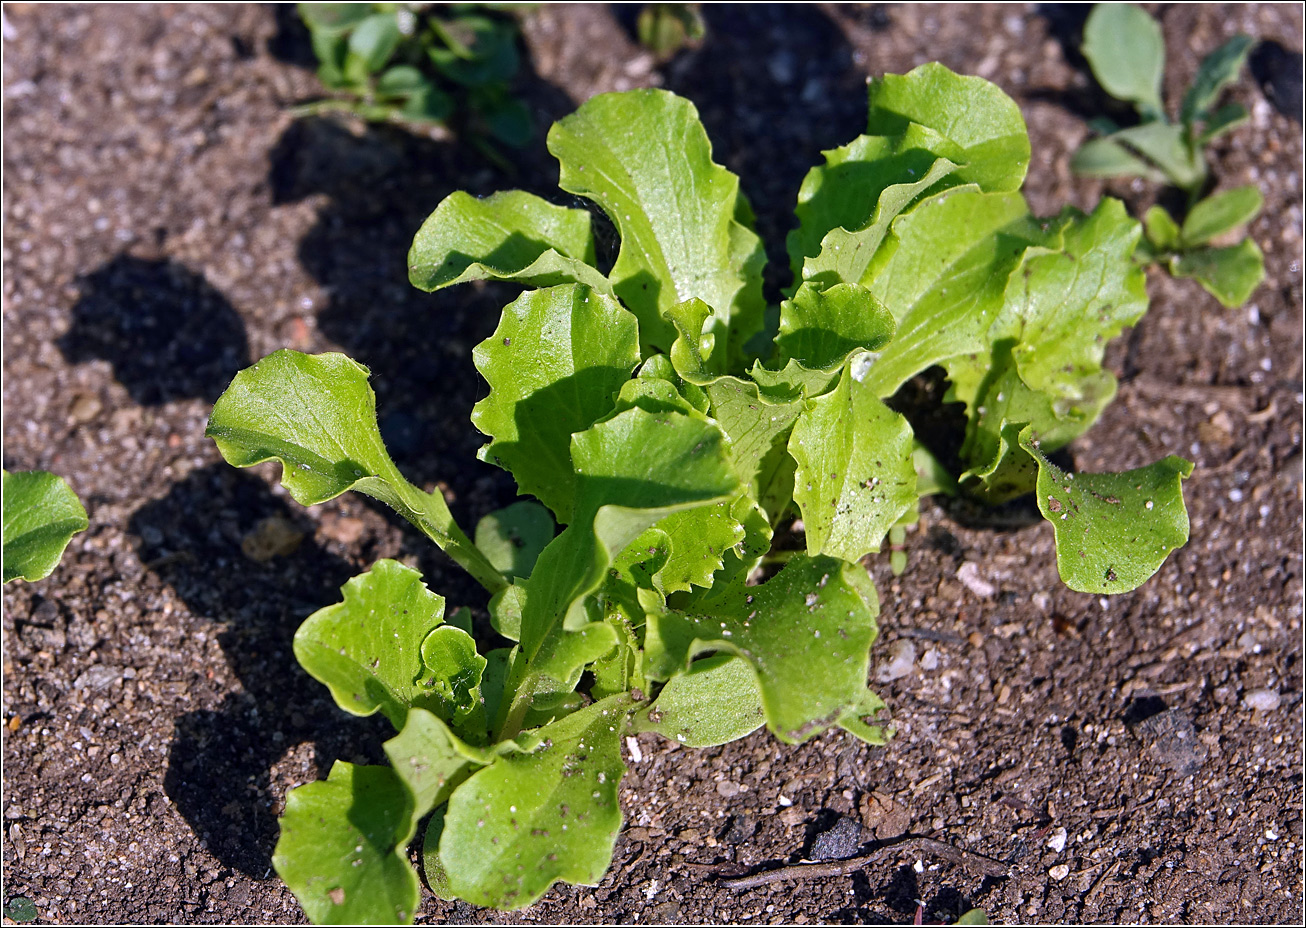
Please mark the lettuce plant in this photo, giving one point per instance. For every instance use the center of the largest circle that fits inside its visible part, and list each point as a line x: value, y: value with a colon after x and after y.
x: 41, y: 515
x: 419, y: 63
x: 669, y: 422
x: 1126, y: 51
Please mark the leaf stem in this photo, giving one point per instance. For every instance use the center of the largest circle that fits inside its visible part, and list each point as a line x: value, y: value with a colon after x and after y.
x: 429, y: 513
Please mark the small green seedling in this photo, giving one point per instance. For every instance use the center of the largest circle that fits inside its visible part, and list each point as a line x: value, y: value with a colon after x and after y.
x: 669, y: 422
x: 420, y: 63
x: 41, y: 515
x: 667, y: 28
x: 1124, y: 46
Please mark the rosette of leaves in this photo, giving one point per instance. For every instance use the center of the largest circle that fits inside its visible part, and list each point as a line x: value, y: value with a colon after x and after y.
x: 666, y: 422
x: 41, y: 515
x: 1126, y: 51
x: 420, y: 62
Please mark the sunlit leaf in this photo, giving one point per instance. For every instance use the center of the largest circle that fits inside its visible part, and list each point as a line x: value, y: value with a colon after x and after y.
x: 531, y: 819
x: 41, y: 515
x: 343, y: 848
x: 1113, y: 531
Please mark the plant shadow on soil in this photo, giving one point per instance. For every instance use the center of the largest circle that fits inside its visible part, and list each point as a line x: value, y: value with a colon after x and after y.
x: 167, y: 333
x: 220, y: 760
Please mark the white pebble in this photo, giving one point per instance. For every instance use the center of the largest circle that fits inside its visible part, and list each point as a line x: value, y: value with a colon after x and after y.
x: 1261, y: 700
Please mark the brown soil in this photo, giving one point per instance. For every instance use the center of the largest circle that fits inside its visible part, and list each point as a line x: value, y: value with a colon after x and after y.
x: 167, y: 222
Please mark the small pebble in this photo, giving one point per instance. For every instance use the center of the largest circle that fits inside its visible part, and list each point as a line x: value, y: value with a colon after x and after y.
x: 1058, y: 840
x: 901, y: 660
x: 1261, y: 700
x: 838, y: 842
x: 1059, y: 872
x: 968, y: 573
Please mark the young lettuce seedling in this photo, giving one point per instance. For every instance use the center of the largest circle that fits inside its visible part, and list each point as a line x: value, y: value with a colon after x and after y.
x: 1124, y: 46
x: 41, y: 515
x: 420, y: 63
x: 668, y: 429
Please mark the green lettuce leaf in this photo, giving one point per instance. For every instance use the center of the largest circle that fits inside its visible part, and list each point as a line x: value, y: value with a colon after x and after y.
x: 553, y: 365
x: 855, y: 475
x: 805, y: 633
x: 971, y: 112
x: 820, y: 328
x: 845, y: 206
x: 316, y: 415
x: 367, y: 650
x: 343, y: 848
x: 41, y: 515
x: 644, y: 157
x: 511, y: 235
x: 1229, y: 274
x: 531, y: 819
x: 714, y: 702
x: 1124, y: 46
x: 1113, y: 531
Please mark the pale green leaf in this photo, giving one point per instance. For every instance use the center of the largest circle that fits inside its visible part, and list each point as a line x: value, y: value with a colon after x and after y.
x: 332, y: 17
x: 633, y: 470
x: 969, y: 111
x: 854, y: 720
x: 1218, y: 70
x: 431, y: 760
x: 820, y: 328
x: 368, y: 649
x: 855, y: 475
x: 343, y: 848
x: 1113, y: 531
x: 860, y: 189
x: 553, y: 365
x: 699, y: 539
x: 692, y: 353
x: 511, y: 235
x: 621, y: 671
x: 805, y: 633
x: 1230, y: 274
x: 1161, y: 229
x: 1166, y: 146
x: 792, y: 382
x: 644, y: 157
x: 374, y: 40
x: 1068, y: 301
x: 755, y: 424
x: 453, y: 679
x: 1107, y: 157
x: 513, y: 537
x: 505, y: 609
x: 41, y: 515
x: 531, y: 819
x: 1124, y: 46
x: 316, y: 415
x: 714, y: 702
x: 945, y: 279
x: 1220, y: 213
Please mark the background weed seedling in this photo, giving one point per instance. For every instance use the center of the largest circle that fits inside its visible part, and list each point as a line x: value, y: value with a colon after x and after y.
x: 421, y: 63
x: 1125, y: 48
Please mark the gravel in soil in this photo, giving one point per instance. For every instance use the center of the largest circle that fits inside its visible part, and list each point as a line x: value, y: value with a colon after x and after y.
x: 1137, y: 759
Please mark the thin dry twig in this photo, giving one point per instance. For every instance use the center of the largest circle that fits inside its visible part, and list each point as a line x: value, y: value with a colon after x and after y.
x: 976, y: 863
